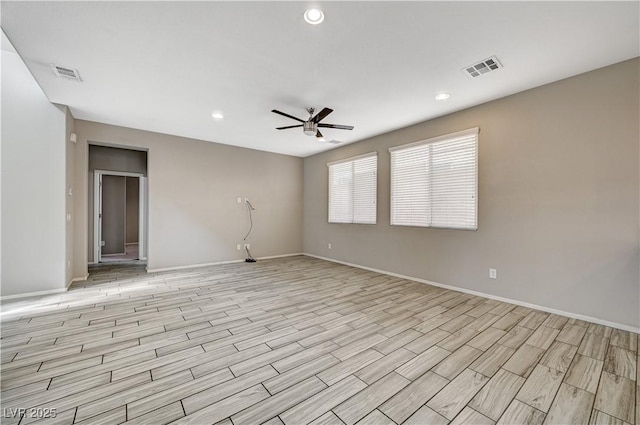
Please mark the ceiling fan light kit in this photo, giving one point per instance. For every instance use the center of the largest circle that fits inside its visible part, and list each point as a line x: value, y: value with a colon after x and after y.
x: 310, y: 128
x: 311, y: 125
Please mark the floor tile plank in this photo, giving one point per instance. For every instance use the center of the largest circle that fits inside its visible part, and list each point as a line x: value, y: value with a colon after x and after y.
x: 455, y: 395
x: 409, y: 399
x: 497, y: 394
x: 423, y: 362
x: 456, y: 362
x: 540, y: 388
x: 274, y: 405
x: 227, y: 407
x: 361, y: 404
x: 524, y: 360
x: 559, y: 356
x: 426, y: 415
x: 385, y: 365
x: 621, y: 362
x: 343, y: 369
x: 584, y: 373
x: 615, y: 397
x: 572, y: 406
x: 469, y: 416
x: 492, y: 360
x: 376, y: 418
x: 322, y: 402
x: 594, y: 346
x: 519, y: 413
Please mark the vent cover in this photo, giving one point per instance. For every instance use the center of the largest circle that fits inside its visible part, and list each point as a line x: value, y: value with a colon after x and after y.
x: 63, y: 72
x: 483, y: 67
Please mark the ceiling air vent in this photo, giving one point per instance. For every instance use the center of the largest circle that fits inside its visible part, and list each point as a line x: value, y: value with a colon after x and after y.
x: 483, y: 67
x: 69, y: 73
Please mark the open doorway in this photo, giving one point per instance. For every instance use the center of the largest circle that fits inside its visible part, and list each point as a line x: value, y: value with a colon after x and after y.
x: 118, y: 207
x: 119, y: 216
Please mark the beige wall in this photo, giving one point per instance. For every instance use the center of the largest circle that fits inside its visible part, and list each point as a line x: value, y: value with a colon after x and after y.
x: 193, y: 185
x: 114, y: 192
x: 558, y: 201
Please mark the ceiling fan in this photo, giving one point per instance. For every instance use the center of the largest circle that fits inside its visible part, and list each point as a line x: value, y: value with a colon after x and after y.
x: 311, y: 126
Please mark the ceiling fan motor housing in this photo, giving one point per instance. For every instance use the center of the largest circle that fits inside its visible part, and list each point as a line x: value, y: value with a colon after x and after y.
x: 310, y: 128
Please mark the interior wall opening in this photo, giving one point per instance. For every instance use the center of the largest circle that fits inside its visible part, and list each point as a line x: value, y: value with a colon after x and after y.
x: 118, y: 212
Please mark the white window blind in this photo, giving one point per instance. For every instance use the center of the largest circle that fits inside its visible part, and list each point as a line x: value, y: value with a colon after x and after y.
x: 353, y: 189
x: 434, y: 182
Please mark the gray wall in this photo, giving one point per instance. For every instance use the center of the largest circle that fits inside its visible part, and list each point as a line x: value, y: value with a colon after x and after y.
x: 114, y: 192
x: 133, y: 209
x: 108, y: 158
x: 193, y: 185
x: 117, y: 159
x: 558, y: 201
x: 33, y: 184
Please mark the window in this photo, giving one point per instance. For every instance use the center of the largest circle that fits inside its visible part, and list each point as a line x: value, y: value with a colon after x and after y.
x: 434, y: 182
x: 353, y: 189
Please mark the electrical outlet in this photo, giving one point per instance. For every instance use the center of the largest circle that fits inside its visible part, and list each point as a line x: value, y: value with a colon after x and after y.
x: 239, y: 199
x: 493, y: 274
x: 247, y: 246
x: 102, y: 243
x: 68, y: 264
x: 329, y: 246
x: 246, y: 200
x: 238, y: 247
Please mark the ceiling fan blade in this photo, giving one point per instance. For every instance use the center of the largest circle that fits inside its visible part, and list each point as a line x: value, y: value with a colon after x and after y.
x: 339, y: 127
x: 321, y: 115
x: 319, y: 135
x: 286, y: 115
x: 289, y: 126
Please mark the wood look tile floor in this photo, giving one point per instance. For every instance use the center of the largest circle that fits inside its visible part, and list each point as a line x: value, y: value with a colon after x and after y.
x: 299, y: 340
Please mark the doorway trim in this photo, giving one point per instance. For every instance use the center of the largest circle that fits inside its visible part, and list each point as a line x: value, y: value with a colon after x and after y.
x: 97, y: 201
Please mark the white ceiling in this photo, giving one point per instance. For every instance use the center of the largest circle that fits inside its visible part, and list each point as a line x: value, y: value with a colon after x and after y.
x: 166, y: 66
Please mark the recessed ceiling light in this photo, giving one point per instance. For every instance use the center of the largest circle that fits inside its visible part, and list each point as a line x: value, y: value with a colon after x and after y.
x: 217, y: 115
x: 442, y: 96
x: 314, y: 16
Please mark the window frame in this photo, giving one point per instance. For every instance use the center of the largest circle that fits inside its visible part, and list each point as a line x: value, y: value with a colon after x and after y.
x: 475, y: 131
x: 353, y: 159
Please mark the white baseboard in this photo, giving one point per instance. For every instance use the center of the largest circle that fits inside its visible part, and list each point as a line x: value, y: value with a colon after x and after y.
x: 33, y: 294
x: 77, y: 279
x: 490, y: 296
x: 217, y: 263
